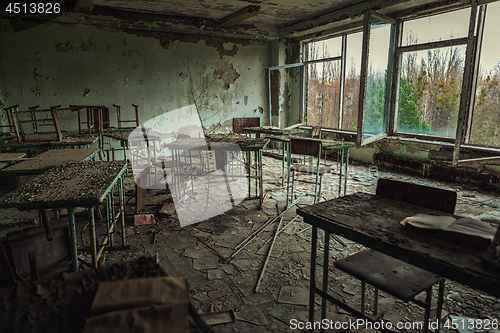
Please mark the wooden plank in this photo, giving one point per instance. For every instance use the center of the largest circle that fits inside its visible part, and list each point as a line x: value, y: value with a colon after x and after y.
x: 56, y: 124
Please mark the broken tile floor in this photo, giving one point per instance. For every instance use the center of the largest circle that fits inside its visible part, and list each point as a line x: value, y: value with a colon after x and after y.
x: 195, y: 252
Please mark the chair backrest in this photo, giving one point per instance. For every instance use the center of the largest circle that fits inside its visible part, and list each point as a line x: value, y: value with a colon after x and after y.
x: 305, y: 146
x: 240, y: 123
x: 420, y: 195
x: 316, y: 132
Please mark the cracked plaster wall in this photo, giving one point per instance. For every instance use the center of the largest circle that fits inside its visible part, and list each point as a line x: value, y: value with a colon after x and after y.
x: 53, y: 64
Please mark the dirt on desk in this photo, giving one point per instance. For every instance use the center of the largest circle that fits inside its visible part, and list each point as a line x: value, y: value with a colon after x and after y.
x: 51, y: 159
x: 72, y: 182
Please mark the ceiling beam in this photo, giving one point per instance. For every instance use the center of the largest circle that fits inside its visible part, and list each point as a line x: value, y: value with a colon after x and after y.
x: 302, y: 27
x: 240, y: 16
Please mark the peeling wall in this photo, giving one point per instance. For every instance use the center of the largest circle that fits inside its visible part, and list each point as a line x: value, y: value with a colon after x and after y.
x: 53, y: 64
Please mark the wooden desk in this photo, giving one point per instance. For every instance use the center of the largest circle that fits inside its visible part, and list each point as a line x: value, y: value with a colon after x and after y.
x: 86, y: 184
x: 224, y: 142
x: 272, y: 130
x: 49, y: 141
x: 374, y: 222
x: 74, y: 141
x: 51, y: 159
x: 276, y: 134
x: 326, y: 144
x: 126, y: 137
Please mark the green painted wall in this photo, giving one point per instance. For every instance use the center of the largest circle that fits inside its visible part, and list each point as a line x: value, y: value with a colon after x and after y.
x: 53, y: 64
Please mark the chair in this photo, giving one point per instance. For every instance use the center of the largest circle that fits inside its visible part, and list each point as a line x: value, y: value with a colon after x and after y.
x: 306, y: 147
x: 391, y: 275
x: 316, y: 132
x: 240, y: 123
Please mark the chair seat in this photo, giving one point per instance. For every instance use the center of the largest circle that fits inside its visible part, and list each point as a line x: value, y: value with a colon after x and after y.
x: 310, y: 169
x: 388, y: 274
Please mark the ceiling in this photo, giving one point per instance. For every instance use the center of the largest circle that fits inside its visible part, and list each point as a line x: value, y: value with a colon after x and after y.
x: 276, y: 18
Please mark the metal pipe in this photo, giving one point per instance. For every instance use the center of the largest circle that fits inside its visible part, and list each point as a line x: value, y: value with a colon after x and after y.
x: 93, y: 242
x: 268, y: 255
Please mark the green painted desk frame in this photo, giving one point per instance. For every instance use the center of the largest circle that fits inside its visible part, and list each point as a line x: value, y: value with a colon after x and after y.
x: 325, y: 145
x: 111, y: 174
x: 249, y: 146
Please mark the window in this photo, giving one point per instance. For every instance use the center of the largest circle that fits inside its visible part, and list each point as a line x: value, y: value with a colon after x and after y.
x: 417, y: 87
x: 431, y: 73
x: 332, y: 82
x: 486, y: 118
x: 376, y: 99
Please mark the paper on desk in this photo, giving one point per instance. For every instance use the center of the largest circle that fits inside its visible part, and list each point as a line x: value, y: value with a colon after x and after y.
x: 472, y: 232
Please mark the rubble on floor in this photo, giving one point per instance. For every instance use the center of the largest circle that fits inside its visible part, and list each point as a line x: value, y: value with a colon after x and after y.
x: 224, y: 283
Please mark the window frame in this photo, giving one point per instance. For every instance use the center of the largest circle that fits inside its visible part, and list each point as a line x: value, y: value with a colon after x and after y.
x: 469, y: 81
x: 343, y: 73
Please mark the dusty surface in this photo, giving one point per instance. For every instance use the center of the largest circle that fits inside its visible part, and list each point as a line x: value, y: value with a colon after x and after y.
x: 283, y: 292
x: 51, y: 159
x: 68, y: 185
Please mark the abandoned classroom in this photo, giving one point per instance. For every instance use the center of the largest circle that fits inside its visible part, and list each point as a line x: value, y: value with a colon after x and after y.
x: 250, y: 166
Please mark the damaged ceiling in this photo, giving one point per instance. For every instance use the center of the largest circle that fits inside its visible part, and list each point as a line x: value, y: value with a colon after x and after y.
x: 275, y: 18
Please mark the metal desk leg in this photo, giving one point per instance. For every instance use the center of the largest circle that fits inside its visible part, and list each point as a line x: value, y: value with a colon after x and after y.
x: 112, y: 222
x: 283, y: 144
x: 317, y: 176
x: 149, y: 161
x: 249, y: 158
x: 312, y: 277
x: 261, y: 183
x: 326, y: 257
x: 154, y: 160
x: 341, y: 167
x: 93, y: 241
x: 122, y: 208
x: 288, y: 156
x: 72, y: 234
x: 346, y: 155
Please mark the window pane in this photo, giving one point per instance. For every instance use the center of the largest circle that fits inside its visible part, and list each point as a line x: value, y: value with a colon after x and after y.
x: 376, y: 80
x: 486, y: 118
x: 430, y: 87
x: 324, y: 49
x: 323, y: 94
x: 437, y: 27
x: 352, y: 79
